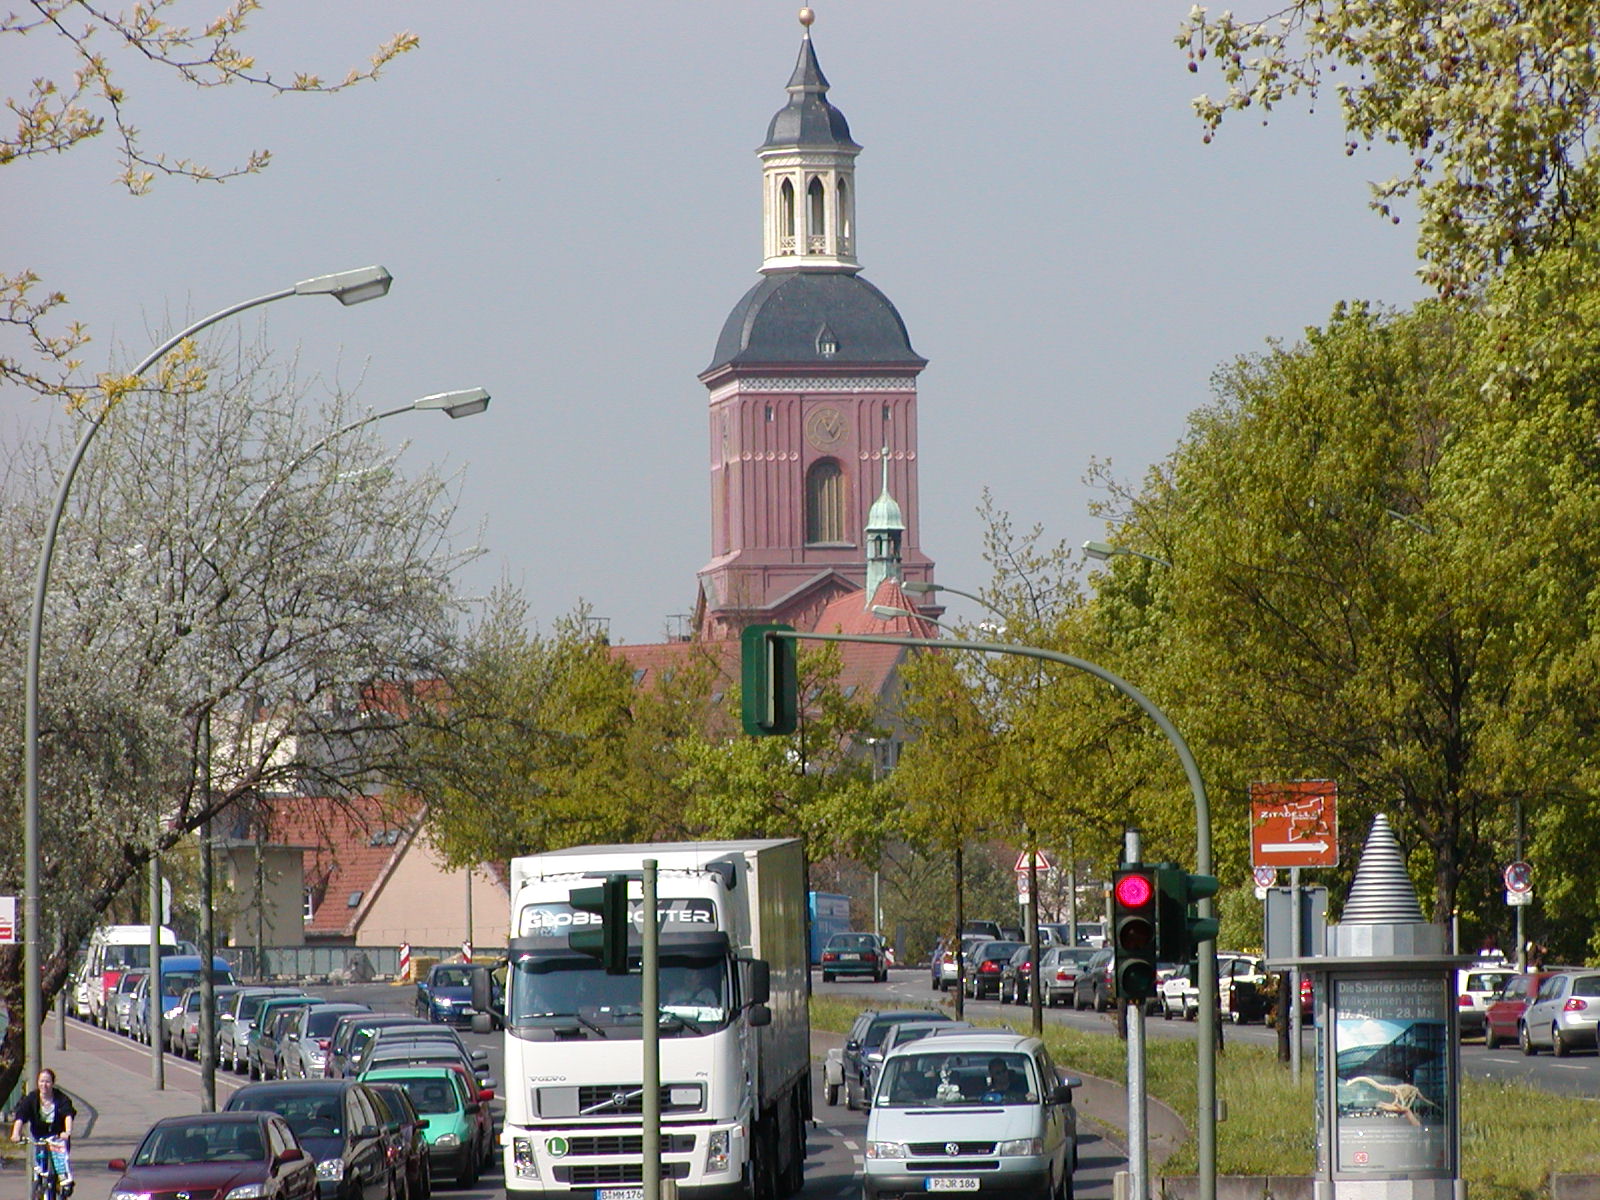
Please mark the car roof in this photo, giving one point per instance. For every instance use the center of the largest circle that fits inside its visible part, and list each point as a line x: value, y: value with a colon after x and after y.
x: 292, y: 1087
x: 420, y: 1071
x: 243, y: 1116
x: 976, y: 1042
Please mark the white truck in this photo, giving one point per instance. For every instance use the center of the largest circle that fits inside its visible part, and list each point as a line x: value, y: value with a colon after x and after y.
x: 734, y: 1029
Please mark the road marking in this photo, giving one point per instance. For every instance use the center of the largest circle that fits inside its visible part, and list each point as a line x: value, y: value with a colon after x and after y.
x: 1507, y: 1062
x: 1569, y: 1066
x: 851, y: 1144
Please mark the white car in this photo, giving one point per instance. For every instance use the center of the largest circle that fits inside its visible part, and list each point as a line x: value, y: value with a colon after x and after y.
x: 1476, y: 989
x: 1180, y: 994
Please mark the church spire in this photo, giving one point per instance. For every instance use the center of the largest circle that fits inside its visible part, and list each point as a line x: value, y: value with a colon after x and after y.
x: 808, y: 175
x: 885, y: 525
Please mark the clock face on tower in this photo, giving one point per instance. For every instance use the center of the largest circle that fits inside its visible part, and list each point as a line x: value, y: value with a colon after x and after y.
x: 825, y: 428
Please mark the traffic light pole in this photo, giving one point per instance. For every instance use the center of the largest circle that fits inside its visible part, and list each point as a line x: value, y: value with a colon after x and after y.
x: 1138, y: 1128
x: 1206, y: 1051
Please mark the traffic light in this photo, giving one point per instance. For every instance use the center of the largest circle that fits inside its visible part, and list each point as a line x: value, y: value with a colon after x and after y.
x: 608, y: 908
x: 1179, y: 931
x: 769, y: 683
x: 1133, y: 931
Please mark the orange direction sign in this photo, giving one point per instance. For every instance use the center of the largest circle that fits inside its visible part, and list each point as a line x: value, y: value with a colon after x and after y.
x: 1294, y: 824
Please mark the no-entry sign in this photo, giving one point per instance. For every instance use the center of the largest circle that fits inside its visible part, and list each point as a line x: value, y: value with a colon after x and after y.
x: 1294, y: 824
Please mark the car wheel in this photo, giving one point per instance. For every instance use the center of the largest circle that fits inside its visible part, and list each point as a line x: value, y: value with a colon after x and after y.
x: 1559, y: 1046
x: 465, y: 1174
x: 827, y: 977
x: 849, y: 1098
x: 1235, y: 1016
x: 1524, y: 1040
x: 1490, y: 1042
x: 831, y: 1093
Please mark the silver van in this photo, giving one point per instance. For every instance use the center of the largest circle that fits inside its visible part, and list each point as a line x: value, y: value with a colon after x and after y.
x: 978, y: 1112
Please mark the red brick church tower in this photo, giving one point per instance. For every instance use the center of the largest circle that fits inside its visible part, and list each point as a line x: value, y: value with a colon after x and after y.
x: 813, y: 393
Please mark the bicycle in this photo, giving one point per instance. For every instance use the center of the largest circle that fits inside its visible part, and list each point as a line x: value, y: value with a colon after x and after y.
x: 47, y: 1185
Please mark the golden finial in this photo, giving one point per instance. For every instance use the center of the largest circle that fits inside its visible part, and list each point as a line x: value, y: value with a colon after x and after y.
x: 806, y: 17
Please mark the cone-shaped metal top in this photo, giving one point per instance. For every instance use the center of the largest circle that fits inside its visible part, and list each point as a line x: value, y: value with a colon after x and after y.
x: 1382, y: 892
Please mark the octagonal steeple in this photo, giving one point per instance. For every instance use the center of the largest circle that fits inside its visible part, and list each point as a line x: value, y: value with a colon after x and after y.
x: 808, y: 175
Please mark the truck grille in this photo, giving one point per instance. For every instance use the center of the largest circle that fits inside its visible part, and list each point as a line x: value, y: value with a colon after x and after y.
x: 598, y: 1174
x: 616, y: 1100
x: 625, y: 1143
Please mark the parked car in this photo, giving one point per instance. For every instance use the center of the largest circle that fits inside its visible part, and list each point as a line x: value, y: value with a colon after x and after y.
x: 238, y: 1155
x: 180, y: 972
x: 863, y: 1046
x: 1563, y: 1015
x: 233, y: 1023
x: 351, y: 1033
x: 855, y: 954
x: 984, y: 1112
x: 981, y: 929
x: 393, y: 1035
x: 1091, y: 934
x: 1475, y: 987
x: 183, y: 1030
x: 983, y: 971
x: 459, y: 1138
x: 119, y: 1001
x: 909, y: 1031
x: 946, y: 970
x: 445, y: 995
x: 337, y: 1122
x: 1095, y: 988
x: 1242, y: 991
x: 1016, y: 976
x: 303, y: 1051
x: 407, y: 1135
x: 1059, y: 967
x: 1503, y: 1016
x: 262, y: 1052
x: 1179, y: 994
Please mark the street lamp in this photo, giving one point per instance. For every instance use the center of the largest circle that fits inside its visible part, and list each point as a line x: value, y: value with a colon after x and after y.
x: 347, y: 287
x: 927, y: 589
x: 1102, y: 551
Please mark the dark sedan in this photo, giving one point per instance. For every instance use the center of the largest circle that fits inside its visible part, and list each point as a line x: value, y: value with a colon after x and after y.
x: 407, y: 1134
x: 221, y: 1154
x: 445, y: 996
x: 855, y: 954
x: 985, y: 965
x: 340, y: 1124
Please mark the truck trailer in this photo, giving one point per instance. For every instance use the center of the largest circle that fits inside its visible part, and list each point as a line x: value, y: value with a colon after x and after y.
x: 733, y: 1022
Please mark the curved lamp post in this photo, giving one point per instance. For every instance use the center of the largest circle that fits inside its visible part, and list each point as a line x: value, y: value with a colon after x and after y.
x: 1101, y: 551
x: 347, y: 287
x: 1206, y: 1031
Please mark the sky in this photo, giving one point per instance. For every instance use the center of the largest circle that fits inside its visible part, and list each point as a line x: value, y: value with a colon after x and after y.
x: 568, y: 197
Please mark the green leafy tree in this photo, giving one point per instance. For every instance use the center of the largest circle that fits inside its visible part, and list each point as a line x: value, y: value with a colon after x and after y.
x: 1493, y: 103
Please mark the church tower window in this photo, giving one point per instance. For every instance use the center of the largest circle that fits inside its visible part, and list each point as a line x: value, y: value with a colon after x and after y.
x: 817, y: 226
x: 825, y: 502
x: 786, y: 216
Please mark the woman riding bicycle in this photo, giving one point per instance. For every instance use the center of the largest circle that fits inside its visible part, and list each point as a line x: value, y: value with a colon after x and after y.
x: 48, y: 1113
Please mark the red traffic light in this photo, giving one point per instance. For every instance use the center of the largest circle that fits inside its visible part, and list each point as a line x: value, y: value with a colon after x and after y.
x: 1134, y: 891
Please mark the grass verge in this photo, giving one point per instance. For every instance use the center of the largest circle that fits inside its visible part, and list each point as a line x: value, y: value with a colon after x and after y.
x: 1513, y: 1137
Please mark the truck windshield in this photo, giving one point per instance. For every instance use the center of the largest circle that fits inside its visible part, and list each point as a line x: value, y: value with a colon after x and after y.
x: 562, y: 989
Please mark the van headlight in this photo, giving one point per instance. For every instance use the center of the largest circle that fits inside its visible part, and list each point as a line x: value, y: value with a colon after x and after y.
x: 886, y: 1150
x: 447, y: 1141
x: 1020, y: 1148
x: 331, y: 1168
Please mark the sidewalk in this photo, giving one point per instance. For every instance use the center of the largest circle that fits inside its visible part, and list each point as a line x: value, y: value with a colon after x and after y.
x: 108, y: 1078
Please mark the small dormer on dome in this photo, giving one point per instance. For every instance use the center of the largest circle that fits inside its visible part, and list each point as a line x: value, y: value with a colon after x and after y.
x: 808, y: 175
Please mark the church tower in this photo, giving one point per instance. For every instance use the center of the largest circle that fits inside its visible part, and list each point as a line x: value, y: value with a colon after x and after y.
x: 813, y: 392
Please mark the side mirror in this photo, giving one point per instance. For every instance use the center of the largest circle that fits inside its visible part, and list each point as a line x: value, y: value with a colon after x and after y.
x: 117, y: 1164
x: 366, y: 1133
x: 1061, y: 1094
x: 486, y: 1093
x: 853, y: 1046
x: 292, y: 1155
x: 482, y: 995
x: 760, y: 981
x: 759, y: 1015
x: 473, y: 1106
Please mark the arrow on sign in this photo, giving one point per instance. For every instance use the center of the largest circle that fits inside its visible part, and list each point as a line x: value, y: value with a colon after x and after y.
x: 1288, y: 847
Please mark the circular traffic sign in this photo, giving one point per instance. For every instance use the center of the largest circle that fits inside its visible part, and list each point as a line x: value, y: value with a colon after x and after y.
x: 1519, y: 877
x: 1266, y: 876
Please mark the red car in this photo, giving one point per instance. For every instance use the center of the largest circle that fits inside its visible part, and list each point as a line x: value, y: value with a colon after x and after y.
x: 1504, y: 1013
x: 219, y: 1154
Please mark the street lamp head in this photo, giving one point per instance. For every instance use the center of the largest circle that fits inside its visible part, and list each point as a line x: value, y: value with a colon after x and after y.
x: 1099, y: 550
x: 887, y: 612
x: 918, y: 588
x: 466, y: 403
x: 348, y: 287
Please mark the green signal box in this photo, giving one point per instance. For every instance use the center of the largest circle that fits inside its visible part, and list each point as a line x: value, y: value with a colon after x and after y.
x: 606, y: 935
x: 1179, y: 928
x: 769, y: 682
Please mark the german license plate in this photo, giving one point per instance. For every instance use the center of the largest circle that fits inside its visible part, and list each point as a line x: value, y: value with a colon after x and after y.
x: 619, y: 1193
x: 849, y: 957
x: 951, y: 1183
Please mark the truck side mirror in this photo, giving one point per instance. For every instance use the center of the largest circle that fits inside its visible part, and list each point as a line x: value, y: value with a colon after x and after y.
x: 760, y: 981
x: 760, y: 1015
x: 481, y: 997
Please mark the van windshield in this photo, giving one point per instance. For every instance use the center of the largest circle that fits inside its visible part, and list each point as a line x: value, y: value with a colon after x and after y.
x: 962, y: 1079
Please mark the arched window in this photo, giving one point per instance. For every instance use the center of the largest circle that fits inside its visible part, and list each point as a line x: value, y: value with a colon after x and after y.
x: 817, y: 214
x: 845, y: 222
x: 786, y: 217
x: 825, y: 502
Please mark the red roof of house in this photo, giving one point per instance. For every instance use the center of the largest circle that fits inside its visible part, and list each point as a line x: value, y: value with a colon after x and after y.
x: 357, y: 842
